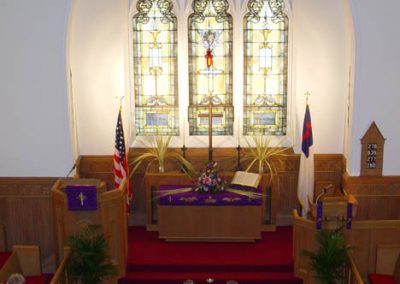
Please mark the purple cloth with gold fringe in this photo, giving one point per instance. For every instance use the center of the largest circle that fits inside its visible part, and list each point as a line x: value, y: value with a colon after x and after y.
x: 81, y: 197
x: 204, y: 199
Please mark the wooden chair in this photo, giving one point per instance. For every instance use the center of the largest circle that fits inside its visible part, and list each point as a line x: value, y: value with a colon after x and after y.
x: 387, y: 270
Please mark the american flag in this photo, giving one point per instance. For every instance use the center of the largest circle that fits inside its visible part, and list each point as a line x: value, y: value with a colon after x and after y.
x: 120, y: 160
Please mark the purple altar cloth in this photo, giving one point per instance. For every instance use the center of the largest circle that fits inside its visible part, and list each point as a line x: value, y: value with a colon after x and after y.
x: 204, y: 199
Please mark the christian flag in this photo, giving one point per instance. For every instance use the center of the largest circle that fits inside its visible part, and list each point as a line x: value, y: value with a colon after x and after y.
x: 121, y: 170
x: 306, y: 173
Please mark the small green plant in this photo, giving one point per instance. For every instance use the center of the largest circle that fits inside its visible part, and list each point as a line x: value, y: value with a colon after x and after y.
x: 89, y: 262
x: 330, y: 260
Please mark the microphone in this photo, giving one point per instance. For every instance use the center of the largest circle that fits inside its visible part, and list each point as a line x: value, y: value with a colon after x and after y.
x: 70, y: 171
x: 323, y: 192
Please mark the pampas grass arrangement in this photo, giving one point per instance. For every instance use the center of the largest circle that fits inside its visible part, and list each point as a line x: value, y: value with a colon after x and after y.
x: 263, y: 153
x: 159, y: 153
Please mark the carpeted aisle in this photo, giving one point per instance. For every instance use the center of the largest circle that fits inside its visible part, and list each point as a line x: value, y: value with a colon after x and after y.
x: 151, y: 260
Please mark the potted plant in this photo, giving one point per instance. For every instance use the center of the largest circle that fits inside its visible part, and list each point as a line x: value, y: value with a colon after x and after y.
x: 330, y: 259
x: 89, y: 263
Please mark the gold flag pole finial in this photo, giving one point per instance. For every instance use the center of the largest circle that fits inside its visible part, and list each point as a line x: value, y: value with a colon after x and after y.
x: 307, y: 94
x: 120, y: 99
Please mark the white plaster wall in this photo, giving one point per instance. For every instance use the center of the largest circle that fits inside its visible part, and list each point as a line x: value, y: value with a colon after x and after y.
x: 377, y: 84
x: 34, y: 122
x: 99, y: 65
x: 321, y: 66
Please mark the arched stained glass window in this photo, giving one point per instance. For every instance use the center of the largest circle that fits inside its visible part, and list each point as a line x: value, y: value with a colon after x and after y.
x: 265, y: 68
x: 155, y: 68
x: 210, y: 68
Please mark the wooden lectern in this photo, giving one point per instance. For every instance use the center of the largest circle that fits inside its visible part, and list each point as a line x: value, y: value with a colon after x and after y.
x: 336, y: 210
x: 110, y: 213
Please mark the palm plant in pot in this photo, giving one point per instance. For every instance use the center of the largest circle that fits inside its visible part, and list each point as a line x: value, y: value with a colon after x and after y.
x: 89, y: 263
x: 331, y: 258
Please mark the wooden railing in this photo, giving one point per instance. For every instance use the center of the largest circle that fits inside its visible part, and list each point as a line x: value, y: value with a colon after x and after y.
x: 353, y: 275
x: 60, y: 275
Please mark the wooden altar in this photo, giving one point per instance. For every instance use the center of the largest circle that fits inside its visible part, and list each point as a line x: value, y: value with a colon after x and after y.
x: 209, y: 223
x: 251, y: 217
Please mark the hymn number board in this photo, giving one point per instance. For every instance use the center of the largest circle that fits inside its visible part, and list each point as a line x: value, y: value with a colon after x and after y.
x: 371, y: 155
x: 372, y: 152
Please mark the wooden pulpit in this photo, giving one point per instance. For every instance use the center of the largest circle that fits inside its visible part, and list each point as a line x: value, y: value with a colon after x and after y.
x: 106, y: 208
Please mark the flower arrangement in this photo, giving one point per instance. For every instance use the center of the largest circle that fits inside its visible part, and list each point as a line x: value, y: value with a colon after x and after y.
x: 209, y: 181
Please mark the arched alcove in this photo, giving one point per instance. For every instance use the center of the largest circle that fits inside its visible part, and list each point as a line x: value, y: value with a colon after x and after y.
x: 100, y: 63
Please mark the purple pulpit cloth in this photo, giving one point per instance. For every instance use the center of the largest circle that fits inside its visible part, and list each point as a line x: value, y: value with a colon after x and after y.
x: 318, y: 222
x: 81, y: 197
x: 349, y: 215
x: 205, y: 199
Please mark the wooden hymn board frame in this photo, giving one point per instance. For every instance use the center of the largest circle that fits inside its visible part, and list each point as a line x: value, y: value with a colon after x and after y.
x: 372, y: 145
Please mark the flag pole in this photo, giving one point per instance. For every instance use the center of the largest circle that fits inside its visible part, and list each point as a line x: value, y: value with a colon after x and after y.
x: 307, y: 94
x: 306, y: 171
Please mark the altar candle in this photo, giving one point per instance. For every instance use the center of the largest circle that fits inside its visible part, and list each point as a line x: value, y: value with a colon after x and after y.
x: 183, y: 130
x: 238, y: 129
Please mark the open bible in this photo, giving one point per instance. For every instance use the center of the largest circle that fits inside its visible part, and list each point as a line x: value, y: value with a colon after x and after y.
x: 246, y: 179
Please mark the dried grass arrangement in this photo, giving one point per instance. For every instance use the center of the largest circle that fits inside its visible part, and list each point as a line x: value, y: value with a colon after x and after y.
x: 159, y: 153
x: 263, y: 153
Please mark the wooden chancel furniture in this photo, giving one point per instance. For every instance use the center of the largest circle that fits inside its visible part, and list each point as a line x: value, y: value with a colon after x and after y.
x: 335, y: 208
x: 207, y: 223
x: 110, y: 212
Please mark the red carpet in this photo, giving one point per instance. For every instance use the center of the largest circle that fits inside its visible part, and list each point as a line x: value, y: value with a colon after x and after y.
x: 151, y: 260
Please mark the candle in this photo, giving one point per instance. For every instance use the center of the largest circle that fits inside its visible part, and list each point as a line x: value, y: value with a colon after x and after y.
x: 183, y: 130
x: 238, y: 129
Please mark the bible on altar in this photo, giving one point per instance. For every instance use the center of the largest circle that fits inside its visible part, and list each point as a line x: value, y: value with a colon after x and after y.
x: 246, y: 179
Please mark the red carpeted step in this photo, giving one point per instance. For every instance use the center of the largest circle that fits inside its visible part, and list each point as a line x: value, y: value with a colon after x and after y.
x: 219, y: 277
x: 3, y: 257
x: 39, y: 279
x: 211, y: 268
x: 275, y: 248
x: 154, y: 261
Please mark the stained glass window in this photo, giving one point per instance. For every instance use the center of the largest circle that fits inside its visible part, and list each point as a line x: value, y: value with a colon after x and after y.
x: 210, y: 68
x: 265, y: 68
x: 155, y: 68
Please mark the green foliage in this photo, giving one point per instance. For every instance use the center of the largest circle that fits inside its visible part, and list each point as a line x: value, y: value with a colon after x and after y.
x: 331, y: 258
x: 89, y: 262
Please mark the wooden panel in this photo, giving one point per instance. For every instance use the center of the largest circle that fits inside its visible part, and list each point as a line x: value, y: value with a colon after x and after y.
x: 329, y: 169
x: 378, y: 197
x: 386, y: 258
x: 28, y: 258
x: 24, y: 260
x: 2, y: 238
x: 209, y: 223
x: 114, y: 221
x: 25, y: 211
x: 364, y: 238
x: 285, y: 194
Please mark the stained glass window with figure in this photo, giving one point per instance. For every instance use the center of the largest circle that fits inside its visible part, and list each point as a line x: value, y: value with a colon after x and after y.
x: 210, y: 68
